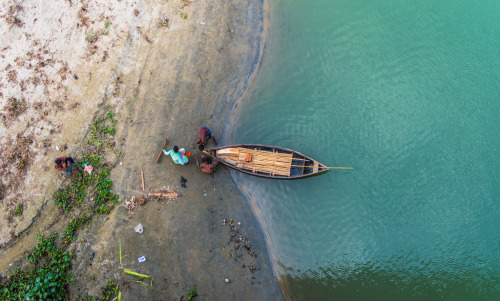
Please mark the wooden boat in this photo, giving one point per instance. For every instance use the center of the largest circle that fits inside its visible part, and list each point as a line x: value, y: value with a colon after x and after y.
x: 267, y: 161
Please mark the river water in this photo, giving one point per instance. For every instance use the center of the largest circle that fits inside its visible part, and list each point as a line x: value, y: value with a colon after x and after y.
x: 408, y: 94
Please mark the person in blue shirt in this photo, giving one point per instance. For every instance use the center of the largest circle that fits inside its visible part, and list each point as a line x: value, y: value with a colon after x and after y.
x: 64, y: 164
x: 177, y: 155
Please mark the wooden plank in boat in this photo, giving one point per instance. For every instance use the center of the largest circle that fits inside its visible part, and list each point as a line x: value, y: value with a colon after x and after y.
x: 263, y: 169
x: 264, y: 153
x: 235, y: 150
x: 266, y: 160
x: 269, y: 162
x: 282, y: 162
x: 275, y: 156
x: 315, y: 167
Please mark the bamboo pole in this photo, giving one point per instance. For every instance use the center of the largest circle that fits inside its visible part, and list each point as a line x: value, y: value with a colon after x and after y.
x: 129, y: 272
x: 120, y: 252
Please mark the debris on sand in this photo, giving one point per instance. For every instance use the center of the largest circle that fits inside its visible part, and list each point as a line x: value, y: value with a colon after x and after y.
x: 241, y: 249
x: 134, y: 202
x: 138, y: 229
x: 129, y: 272
x: 183, y: 182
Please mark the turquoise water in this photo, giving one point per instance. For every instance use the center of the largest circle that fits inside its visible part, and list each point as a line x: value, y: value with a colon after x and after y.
x: 408, y: 94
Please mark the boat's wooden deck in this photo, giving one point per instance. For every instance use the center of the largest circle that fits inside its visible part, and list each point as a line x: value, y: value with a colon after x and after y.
x: 272, y: 163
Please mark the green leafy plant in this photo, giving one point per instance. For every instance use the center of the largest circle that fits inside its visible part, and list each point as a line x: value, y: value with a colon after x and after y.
x: 183, y: 15
x: 91, y: 37
x: 74, y: 225
x: 62, y: 199
x: 106, y: 26
x: 109, y: 290
x: 43, y: 248
x: 51, y: 274
x: 192, y: 294
x: 46, y: 282
x: 19, y: 210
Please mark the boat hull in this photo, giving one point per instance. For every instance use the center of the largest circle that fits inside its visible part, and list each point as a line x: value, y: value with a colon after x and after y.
x: 267, y: 161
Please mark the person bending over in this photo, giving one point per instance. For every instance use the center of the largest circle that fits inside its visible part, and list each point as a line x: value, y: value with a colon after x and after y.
x: 64, y: 164
x: 177, y: 155
x: 207, y: 164
x: 204, y: 134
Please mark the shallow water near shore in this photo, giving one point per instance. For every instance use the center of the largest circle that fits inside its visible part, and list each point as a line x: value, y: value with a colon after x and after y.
x: 407, y: 94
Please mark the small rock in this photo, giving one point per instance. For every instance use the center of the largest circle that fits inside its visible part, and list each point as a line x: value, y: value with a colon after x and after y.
x: 226, y: 280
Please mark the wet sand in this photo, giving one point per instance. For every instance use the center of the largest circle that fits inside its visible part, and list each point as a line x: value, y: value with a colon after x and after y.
x: 171, y: 83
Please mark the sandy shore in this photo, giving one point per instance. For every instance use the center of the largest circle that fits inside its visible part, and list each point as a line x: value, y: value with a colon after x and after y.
x: 162, y: 79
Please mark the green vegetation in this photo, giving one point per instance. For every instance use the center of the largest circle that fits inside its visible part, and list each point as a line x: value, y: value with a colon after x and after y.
x: 15, y: 103
x: 96, y: 185
x: 46, y: 281
x: 91, y: 37
x: 74, y: 225
x: 19, y: 210
x: 49, y: 273
x: 183, y: 15
x: 106, y: 26
x: 191, y: 294
x: 43, y: 248
x: 108, y: 291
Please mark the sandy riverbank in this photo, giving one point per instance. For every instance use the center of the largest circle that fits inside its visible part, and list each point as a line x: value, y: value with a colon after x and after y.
x: 161, y: 81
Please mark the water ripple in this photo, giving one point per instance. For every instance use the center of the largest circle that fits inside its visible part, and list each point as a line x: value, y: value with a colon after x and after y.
x: 407, y: 94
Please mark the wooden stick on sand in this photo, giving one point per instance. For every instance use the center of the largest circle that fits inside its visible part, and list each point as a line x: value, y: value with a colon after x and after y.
x: 142, y: 180
x: 168, y: 195
x: 161, y: 150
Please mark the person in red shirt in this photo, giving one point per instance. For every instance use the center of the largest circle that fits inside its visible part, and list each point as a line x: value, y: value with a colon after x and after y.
x: 207, y: 164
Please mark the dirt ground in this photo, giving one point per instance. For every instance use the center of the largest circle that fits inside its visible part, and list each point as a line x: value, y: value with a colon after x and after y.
x: 162, y: 79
